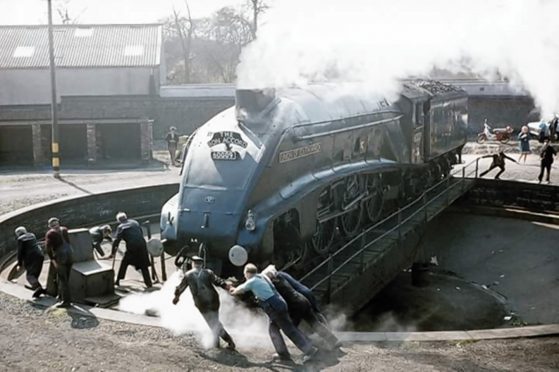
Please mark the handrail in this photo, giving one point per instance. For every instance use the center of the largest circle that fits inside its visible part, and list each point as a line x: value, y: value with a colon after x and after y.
x: 422, y: 198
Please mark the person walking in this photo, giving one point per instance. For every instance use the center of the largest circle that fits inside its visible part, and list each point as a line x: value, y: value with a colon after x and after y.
x: 298, y: 305
x: 98, y: 234
x: 57, y: 244
x: 276, y: 308
x: 498, y: 162
x: 136, y: 254
x: 30, y: 256
x: 546, y: 159
x: 524, y: 142
x: 172, y: 140
x: 206, y: 299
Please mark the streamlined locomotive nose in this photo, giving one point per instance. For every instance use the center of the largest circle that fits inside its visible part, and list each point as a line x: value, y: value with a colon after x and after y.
x: 213, y: 216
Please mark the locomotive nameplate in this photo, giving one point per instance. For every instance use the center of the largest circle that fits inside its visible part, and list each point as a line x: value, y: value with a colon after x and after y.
x: 228, y: 138
x: 299, y: 152
x: 225, y: 155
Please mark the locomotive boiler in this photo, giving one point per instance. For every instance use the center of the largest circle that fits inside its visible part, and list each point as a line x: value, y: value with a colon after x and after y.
x: 286, y: 175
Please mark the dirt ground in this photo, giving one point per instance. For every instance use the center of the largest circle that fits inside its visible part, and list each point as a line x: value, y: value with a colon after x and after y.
x: 35, y: 339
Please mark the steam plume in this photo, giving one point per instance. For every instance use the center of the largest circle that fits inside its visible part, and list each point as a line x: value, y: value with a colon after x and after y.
x: 248, y: 329
x: 378, y: 41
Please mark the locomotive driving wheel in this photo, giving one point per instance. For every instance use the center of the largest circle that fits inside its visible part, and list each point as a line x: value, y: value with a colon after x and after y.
x: 323, y: 238
x: 289, y: 249
x: 350, y: 222
x: 374, y: 204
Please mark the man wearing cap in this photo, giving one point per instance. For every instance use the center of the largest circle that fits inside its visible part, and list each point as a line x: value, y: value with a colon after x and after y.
x: 57, y: 244
x: 275, y: 307
x: 172, y: 139
x: 30, y: 256
x: 98, y: 234
x: 201, y: 282
x: 136, y: 254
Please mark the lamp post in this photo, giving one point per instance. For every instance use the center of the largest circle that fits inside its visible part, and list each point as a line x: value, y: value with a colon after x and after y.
x: 54, y: 109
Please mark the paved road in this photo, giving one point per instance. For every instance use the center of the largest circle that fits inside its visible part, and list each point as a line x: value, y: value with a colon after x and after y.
x: 20, y: 189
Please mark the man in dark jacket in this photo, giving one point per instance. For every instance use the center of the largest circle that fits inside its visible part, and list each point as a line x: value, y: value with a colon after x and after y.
x: 57, y: 244
x: 30, y: 256
x: 546, y: 156
x: 498, y: 162
x: 136, y: 254
x: 172, y: 140
x: 201, y: 282
x: 299, y: 307
x: 98, y: 234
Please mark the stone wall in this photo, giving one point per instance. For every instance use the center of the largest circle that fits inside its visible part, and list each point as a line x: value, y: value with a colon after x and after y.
x: 85, y: 211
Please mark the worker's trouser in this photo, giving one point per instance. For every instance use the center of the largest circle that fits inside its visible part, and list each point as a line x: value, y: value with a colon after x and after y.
x: 276, y: 309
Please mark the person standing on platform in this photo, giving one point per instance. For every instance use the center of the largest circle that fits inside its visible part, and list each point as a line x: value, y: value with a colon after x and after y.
x: 136, y: 254
x: 57, y: 244
x: 30, y: 256
x: 524, y: 141
x: 546, y: 156
x: 172, y: 140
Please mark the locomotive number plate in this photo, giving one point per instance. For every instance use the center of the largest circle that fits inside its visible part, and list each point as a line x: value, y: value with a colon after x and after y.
x: 225, y: 155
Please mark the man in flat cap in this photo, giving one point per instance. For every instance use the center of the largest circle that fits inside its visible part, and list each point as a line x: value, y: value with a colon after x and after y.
x: 201, y: 282
x: 58, y: 248
x: 30, y: 256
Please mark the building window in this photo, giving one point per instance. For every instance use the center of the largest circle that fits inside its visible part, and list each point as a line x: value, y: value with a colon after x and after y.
x: 134, y: 50
x: 24, y: 51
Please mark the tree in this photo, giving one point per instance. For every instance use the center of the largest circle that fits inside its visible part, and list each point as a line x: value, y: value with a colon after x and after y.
x: 258, y: 7
x: 179, y: 33
x: 208, y: 49
x: 61, y: 7
x: 185, y: 29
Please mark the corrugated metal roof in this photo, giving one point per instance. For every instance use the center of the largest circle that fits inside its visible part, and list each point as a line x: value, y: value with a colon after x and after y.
x: 81, y: 46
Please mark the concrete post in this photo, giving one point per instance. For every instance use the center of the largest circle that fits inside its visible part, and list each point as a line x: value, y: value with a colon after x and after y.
x: 38, y: 153
x: 146, y: 138
x: 91, y: 133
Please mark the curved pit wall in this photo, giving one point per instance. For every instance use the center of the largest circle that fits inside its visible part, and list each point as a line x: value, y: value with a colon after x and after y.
x: 82, y: 211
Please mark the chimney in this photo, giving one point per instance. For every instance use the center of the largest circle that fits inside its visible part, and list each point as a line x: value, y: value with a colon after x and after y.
x: 252, y: 102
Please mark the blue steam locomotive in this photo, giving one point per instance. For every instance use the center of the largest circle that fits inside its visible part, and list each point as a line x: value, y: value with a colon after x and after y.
x: 283, y: 173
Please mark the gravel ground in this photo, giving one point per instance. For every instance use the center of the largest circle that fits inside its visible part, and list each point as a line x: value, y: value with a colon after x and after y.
x: 36, y: 339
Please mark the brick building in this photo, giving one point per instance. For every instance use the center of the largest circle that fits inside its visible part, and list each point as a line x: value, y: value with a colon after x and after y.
x: 108, y: 79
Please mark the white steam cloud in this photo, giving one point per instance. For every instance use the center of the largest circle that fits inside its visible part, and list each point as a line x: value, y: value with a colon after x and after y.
x: 248, y: 329
x: 379, y: 41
